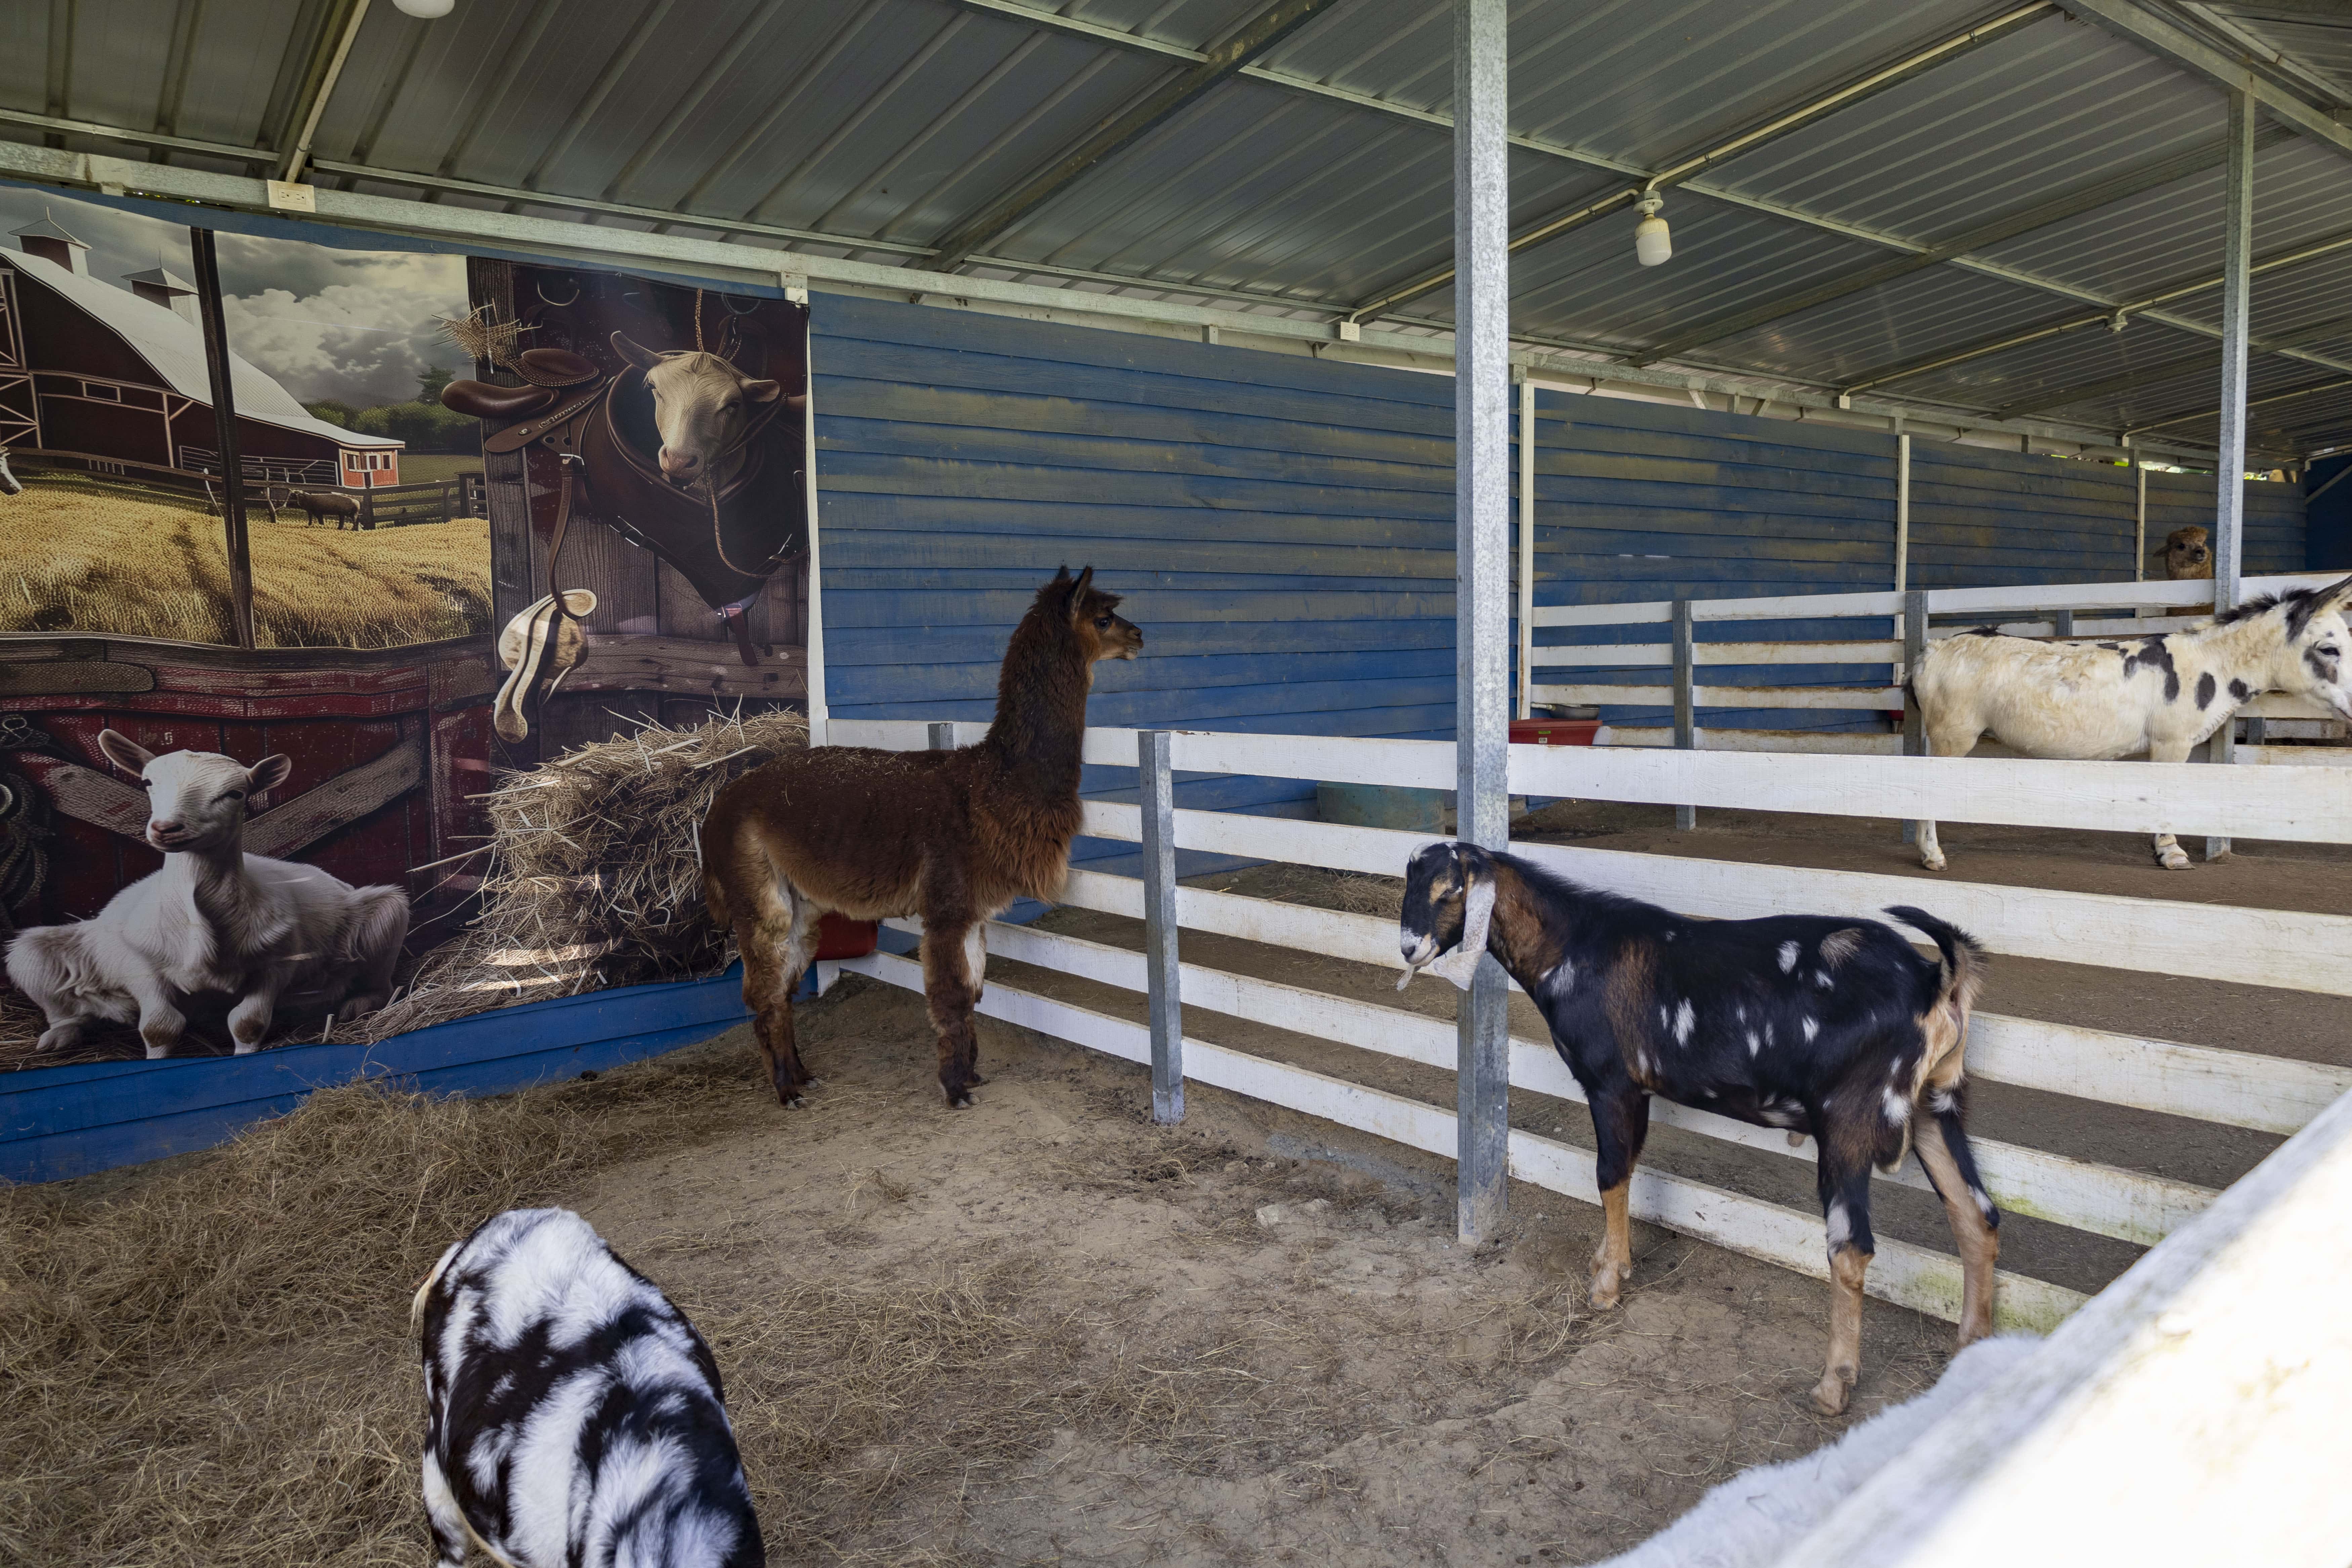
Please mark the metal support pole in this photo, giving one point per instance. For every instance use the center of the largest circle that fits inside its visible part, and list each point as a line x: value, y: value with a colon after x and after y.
x: 1915, y: 643
x: 1902, y: 532
x: 232, y: 462
x: 2061, y: 623
x: 2230, y: 466
x: 1685, y: 699
x: 1527, y: 549
x: 1482, y: 538
x: 1156, y: 792
x: 2139, y: 523
x: 942, y: 737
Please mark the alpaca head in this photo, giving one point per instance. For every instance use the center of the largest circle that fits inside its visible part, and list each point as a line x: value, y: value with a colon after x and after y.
x: 1099, y: 630
x: 2188, y: 555
x: 196, y: 800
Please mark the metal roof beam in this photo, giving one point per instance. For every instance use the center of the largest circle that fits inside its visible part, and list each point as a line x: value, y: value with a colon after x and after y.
x: 2302, y: 77
x: 51, y: 122
x: 615, y: 247
x: 2131, y: 381
x: 2197, y: 57
x: 2287, y: 396
x: 1261, y: 33
x: 2089, y: 196
x: 1776, y: 124
x: 2145, y: 306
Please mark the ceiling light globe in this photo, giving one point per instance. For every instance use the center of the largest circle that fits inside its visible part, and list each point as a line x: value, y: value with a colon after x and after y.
x: 1652, y: 242
x: 426, y: 10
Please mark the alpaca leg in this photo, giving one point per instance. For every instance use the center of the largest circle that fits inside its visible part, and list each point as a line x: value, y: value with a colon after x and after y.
x: 1951, y: 1168
x: 1620, y: 1124
x: 951, y: 987
x: 775, y: 946
x: 1845, y: 1209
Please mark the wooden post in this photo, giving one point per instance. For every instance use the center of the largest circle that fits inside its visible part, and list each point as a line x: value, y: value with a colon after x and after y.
x: 1156, y: 792
x: 1915, y: 642
x: 232, y: 465
x: 1686, y: 700
x: 367, y: 500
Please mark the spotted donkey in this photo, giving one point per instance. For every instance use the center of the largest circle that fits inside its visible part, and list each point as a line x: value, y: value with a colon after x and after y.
x: 572, y: 1416
x: 2162, y: 695
x: 1830, y: 1027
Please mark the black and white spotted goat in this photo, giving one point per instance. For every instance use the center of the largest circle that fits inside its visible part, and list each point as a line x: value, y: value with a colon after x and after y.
x: 2163, y: 696
x: 1833, y: 1028
x: 573, y: 1416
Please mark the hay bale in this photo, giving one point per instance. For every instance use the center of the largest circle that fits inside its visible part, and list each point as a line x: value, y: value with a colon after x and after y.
x: 594, y: 874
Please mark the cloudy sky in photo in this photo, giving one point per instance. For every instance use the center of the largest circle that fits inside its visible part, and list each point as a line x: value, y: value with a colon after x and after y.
x: 353, y: 326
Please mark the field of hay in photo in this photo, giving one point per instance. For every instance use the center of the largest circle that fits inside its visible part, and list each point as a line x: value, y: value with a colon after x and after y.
x: 82, y: 556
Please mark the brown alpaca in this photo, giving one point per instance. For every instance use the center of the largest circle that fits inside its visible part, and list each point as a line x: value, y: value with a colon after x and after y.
x: 953, y: 836
x: 2186, y: 555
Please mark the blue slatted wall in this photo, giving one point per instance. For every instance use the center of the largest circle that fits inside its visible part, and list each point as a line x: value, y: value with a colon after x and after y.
x: 1283, y: 526
x: 1643, y: 500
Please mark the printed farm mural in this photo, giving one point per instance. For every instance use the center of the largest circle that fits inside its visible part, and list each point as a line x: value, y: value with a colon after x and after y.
x: 309, y: 550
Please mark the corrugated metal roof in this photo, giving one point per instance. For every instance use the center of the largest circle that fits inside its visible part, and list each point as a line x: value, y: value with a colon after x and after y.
x: 1320, y: 175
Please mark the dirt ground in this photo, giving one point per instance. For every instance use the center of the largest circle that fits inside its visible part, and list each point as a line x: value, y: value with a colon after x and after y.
x: 1270, y: 1347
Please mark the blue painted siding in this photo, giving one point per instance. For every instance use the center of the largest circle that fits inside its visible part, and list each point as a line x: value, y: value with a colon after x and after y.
x: 1282, y: 529
x: 1641, y: 501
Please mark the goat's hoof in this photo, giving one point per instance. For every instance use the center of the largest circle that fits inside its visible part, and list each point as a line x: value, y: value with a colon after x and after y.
x: 1607, y: 1283
x: 245, y: 1047
x: 2175, y: 861
x: 1935, y: 865
x: 1831, y: 1393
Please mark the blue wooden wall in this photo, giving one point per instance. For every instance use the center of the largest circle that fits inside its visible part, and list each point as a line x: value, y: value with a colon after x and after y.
x: 1643, y: 500
x: 1282, y: 528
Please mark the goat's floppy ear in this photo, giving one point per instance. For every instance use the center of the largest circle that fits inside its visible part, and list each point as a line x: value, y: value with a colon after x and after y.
x: 633, y: 352
x: 268, y: 772
x: 760, y: 391
x: 123, y: 752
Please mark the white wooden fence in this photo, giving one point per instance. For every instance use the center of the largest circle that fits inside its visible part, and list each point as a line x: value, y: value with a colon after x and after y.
x: 2308, y: 952
x: 2070, y: 609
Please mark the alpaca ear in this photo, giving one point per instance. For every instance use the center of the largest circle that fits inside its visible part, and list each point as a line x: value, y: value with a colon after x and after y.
x: 1078, y: 590
x: 123, y: 752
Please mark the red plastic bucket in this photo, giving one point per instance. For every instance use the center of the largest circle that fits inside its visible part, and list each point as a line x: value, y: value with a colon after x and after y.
x: 1554, y: 731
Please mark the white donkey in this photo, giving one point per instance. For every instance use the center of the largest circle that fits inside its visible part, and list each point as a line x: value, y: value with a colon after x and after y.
x: 2159, y: 695
x: 702, y: 410
x: 214, y: 919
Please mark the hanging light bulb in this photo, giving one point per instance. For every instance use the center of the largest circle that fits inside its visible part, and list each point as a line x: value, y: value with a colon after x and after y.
x: 425, y: 9
x: 1652, y: 242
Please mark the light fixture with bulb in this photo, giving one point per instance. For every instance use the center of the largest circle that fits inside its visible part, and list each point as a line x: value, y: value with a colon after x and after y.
x: 1652, y: 241
x: 424, y: 10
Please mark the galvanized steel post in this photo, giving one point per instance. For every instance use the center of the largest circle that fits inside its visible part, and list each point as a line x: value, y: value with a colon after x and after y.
x: 941, y: 737
x: 1156, y: 792
x: 1527, y: 548
x: 1482, y: 557
x: 1915, y: 642
x: 1686, y: 697
x: 2230, y: 465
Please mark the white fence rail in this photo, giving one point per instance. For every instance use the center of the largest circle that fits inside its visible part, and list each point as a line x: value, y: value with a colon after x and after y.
x: 2300, y: 951
x: 2064, y: 604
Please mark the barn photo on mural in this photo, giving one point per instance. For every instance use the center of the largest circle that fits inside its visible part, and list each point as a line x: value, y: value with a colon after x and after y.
x: 316, y: 609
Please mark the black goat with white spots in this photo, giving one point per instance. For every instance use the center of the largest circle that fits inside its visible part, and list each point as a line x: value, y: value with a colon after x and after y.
x: 573, y: 1416
x: 1833, y: 1028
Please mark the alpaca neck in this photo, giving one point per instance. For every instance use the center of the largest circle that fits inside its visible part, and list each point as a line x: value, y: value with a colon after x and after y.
x: 1040, y: 709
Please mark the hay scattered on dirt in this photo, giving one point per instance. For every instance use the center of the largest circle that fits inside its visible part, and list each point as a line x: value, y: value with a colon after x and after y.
x: 592, y: 876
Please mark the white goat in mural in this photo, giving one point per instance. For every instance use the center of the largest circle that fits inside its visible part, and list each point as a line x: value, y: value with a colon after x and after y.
x: 10, y: 485
x: 2160, y: 695
x: 214, y: 919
